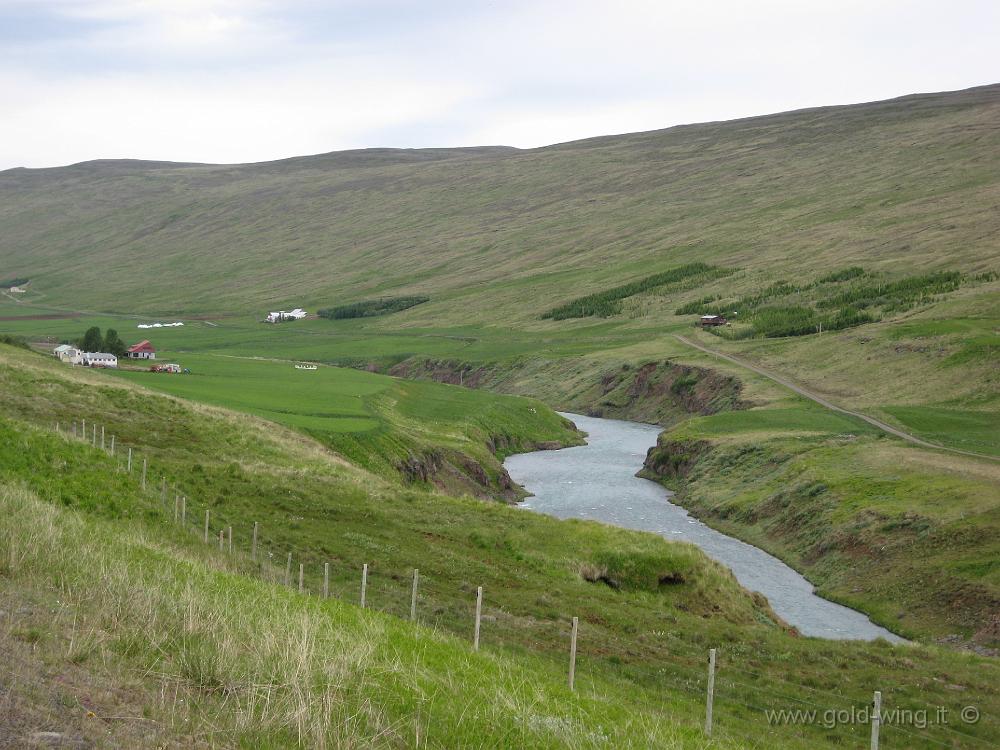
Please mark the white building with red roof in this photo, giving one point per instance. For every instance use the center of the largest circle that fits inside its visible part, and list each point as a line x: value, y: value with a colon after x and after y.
x: 142, y: 350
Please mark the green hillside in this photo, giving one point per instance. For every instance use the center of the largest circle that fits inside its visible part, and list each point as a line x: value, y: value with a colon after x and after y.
x: 853, y: 250
x: 118, y: 609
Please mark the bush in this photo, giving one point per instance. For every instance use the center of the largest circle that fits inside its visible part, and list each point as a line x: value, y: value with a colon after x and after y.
x: 10, y: 340
x: 607, y: 303
x: 372, y: 307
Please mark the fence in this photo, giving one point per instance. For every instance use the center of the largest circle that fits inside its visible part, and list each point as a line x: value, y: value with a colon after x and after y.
x: 720, y: 686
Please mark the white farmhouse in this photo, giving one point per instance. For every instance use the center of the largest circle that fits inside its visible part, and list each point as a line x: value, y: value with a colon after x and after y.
x: 99, y: 359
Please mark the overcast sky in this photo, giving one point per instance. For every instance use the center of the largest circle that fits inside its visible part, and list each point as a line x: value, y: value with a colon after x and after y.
x: 250, y: 80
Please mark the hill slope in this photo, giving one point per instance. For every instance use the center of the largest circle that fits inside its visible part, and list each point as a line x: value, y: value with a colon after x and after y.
x: 905, y: 184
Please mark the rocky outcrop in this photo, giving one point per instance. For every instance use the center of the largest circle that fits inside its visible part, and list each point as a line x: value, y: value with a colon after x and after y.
x: 671, y: 460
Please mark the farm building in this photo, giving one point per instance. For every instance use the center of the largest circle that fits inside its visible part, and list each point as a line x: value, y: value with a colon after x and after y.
x: 170, y: 367
x: 98, y: 359
x: 713, y: 320
x: 283, y: 315
x: 142, y: 350
x: 67, y: 353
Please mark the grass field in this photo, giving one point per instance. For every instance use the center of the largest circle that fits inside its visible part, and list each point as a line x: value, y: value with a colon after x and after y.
x: 171, y: 615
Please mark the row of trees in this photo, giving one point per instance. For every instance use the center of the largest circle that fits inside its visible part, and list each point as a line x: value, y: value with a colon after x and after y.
x: 110, y: 342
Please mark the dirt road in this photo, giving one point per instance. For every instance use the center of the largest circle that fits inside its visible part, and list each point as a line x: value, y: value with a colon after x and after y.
x: 823, y: 402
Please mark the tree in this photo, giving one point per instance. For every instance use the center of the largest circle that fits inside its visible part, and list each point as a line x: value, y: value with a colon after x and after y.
x: 113, y: 343
x: 92, y: 340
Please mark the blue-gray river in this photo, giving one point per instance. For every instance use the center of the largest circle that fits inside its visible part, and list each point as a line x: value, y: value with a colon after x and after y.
x: 597, y: 482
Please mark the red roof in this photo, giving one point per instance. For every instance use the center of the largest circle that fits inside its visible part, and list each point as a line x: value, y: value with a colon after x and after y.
x: 142, y: 346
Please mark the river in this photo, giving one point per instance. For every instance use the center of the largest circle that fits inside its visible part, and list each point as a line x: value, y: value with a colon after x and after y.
x: 597, y: 482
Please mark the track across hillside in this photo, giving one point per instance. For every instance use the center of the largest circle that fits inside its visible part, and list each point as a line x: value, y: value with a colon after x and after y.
x: 823, y: 402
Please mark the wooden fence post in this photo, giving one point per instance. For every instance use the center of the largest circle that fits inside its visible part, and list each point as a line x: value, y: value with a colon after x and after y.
x: 710, y: 695
x: 129, y: 460
x: 206, y: 526
x: 74, y: 429
x: 572, y: 654
x: 364, y: 584
x: 326, y: 580
x: 83, y: 429
x: 144, y: 473
x: 253, y: 544
x: 163, y: 490
x: 177, y: 506
x: 102, y: 436
x: 230, y: 532
x: 222, y: 538
x: 479, y: 614
x: 288, y: 570
x: 94, y: 441
x: 112, y: 445
x: 302, y: 576
x: 184, y: 510
x: 876, y: 718
x: 413, y: 595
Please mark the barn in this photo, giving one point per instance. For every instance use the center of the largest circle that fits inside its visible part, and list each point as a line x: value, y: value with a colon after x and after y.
x: 142, y: 350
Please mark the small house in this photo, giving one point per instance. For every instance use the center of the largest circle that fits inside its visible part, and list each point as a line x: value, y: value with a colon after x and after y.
x: 99, y: 359
x: 142, y: 350
x: 712, y: 320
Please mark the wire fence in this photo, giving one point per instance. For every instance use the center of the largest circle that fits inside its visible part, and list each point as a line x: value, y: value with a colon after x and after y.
x: 733, y: 694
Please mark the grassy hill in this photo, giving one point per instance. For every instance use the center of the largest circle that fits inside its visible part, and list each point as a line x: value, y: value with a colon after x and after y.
x: 122, y: 626
x: 853, y: 248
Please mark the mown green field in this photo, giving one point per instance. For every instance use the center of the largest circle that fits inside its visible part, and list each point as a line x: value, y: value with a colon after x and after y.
x: 182, y: 612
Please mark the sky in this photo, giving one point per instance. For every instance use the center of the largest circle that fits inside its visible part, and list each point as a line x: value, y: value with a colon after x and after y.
x: 252, y: 80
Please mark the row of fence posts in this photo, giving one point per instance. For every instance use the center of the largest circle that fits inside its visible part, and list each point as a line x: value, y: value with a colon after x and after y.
x: 226, y: 534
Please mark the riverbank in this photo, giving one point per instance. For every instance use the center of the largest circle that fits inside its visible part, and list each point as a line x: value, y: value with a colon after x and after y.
x: 598, y: 482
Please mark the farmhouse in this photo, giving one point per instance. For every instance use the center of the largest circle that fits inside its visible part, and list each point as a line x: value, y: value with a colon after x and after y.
x: 67, y: 353
x: 142, y: 350
x: 713, y: 320
x: 98, y: 359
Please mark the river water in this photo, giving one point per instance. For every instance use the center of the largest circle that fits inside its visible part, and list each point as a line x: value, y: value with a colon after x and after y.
x: 597, y: 481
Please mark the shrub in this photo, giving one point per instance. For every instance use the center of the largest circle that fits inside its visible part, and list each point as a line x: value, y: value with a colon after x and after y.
x: 607, y: 303
x: 372, y: 307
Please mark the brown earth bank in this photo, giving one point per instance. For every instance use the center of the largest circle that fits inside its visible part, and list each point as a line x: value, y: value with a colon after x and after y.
x: 658, y: 392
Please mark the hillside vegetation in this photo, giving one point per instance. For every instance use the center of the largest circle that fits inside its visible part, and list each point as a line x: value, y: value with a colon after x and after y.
x: 143, y: 608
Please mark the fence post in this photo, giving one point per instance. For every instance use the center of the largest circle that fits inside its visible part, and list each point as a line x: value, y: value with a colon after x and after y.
x: 144, y: 473
x: 302, y: 575
x: 74, y: 429
x: 288, y: 570
x: 129, y: 460
x: 572, y: 653
x: 326, y: 580
x: 230, y: 532
x: 222, y: 538
x: 253, y: 544
x: 83, y: 429
x: 710, y: 696
x: 163, y: 490
x: 876, y: 718
x: 112, y: 445
x: 479, y: 613
x: 177, y: 506
x: 206, y: 526
x: 102, y: 435
x: 94, y: 441
x: 184, y: 510
x: 413, y: 595
x: 364, y: 584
